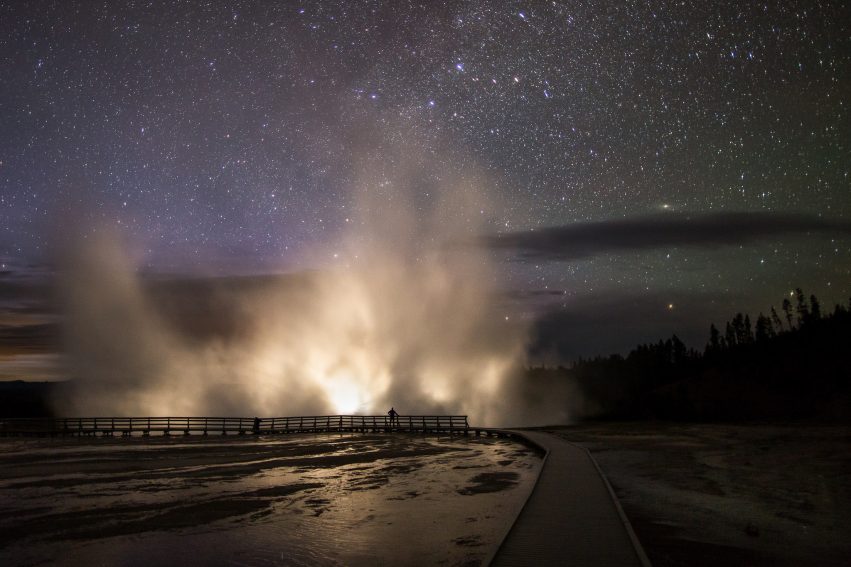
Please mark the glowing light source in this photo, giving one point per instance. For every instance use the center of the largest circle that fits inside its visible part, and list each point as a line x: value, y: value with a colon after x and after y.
x: 344, y: 396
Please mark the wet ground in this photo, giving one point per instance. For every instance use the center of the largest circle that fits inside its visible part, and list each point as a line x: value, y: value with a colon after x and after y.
x: 772, y: 495
x: 286, y: 500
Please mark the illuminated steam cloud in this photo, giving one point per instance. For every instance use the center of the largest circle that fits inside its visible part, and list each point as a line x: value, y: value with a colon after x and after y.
x: 409, y: 322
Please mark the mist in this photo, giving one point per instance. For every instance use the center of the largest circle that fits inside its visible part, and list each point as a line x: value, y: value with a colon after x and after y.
x: 402, y: 320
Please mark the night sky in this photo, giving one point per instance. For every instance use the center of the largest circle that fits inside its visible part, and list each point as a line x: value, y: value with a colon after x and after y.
x: 651, y: 167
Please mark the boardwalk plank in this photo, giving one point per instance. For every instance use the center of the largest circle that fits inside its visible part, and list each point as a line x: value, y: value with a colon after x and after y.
x: 571, y: 517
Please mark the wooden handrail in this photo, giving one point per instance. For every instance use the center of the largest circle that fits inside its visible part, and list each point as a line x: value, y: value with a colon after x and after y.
x: 205, y: 424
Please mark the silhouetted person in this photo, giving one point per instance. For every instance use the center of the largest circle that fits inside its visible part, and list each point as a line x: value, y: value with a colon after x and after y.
x: 256, y: 427
x: 394, y: 417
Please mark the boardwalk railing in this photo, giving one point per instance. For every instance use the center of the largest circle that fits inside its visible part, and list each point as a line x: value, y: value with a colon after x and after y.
x: 127, y: 426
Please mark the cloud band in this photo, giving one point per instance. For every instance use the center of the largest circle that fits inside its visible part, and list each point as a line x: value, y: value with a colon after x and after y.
x: 583, y: 240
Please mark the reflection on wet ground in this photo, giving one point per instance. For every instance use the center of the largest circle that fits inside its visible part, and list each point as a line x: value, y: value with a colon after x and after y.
x: 296, y: 500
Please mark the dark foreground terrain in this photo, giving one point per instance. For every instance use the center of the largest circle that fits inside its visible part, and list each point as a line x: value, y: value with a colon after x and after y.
x: 772, y: 495
x: 288, y: 500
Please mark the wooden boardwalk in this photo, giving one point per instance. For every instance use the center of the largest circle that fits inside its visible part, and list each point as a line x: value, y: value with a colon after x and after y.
x: 145, y: 426
x: 572, y: 516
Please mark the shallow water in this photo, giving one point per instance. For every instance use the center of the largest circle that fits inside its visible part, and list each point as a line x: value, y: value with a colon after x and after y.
x: 288, y: 500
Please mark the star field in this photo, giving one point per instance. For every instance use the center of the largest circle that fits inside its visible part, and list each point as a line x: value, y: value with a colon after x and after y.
x: 227, y: 132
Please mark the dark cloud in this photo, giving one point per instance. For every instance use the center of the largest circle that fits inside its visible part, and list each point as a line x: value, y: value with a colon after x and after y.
x: 28, y: 339
x: 708, y: 230
x: 27, y: 313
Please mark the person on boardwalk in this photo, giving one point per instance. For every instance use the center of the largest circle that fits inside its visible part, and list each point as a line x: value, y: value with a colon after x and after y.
x: 394, y: 417
x: 256, y: 427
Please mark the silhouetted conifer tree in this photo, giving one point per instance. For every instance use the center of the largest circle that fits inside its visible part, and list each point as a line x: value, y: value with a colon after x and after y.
x: 678, y: 350
x: 787, y: 309
x: 730, y: 335
x: 776, y: 318
x: 815, y: 308
x: 714, y: 339
x: 802, y: 309
x: 742, y: 331
x: 764, y: 329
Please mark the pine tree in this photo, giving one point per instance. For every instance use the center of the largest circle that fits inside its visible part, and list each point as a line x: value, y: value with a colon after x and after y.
x: 787, y: 309
x: 802, y: 309
x: 730, y: 335
x: 748, y: 330
x: 678, y: 353
x: 760, y: 331
x: 776, y: 318
x: 739, y: 329
x: 764, y: 329
x: 714, y: 339
x: 815, y: 308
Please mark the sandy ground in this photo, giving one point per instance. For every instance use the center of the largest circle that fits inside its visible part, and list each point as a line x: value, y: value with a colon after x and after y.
x: 284, y: 500
x: 730, y: 495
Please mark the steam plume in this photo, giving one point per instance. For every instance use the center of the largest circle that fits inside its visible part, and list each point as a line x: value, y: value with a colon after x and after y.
x: 408, y: 323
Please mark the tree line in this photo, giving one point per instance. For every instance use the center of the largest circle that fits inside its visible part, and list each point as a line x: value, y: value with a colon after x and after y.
x: 739, y: 331
x: 788, y: 364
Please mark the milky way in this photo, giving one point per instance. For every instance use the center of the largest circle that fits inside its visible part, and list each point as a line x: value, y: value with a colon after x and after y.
x: 227, y: 137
